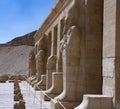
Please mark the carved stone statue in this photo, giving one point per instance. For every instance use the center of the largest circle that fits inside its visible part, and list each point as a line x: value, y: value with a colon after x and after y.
x: 40, y: 66
x: 32, y: 63
x: 72, y: 16
x: 70, y: 48
x: 51, y: 67
x: 32, y: 66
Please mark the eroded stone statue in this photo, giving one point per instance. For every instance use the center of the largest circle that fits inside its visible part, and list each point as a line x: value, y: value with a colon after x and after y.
x: 40, y: 65
x: 70, y: 48
x: 51, y: 67
x: 32, y: 65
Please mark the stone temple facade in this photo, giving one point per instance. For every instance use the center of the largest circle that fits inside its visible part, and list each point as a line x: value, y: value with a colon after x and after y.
x: 75, y: 59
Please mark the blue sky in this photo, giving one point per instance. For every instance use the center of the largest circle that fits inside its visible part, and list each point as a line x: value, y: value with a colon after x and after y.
x: 18, y: 17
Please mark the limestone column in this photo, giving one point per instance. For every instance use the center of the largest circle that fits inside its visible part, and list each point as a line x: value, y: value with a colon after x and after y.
x: 41, y: 64
x: 59, y: 38
x: 32, y: 66
x: 72, y: 55
x: 56, y: 77
x: 90, y: 78
x: 37, y: 47
x: 48, y: 38
x: 93, y: 55
x: 51, y: 61
x: 109, y: 39
x: 93, y: 47
x: 111, y: 51
x: 35, y: 53
x: 117, y: 61
x: 51, y: 67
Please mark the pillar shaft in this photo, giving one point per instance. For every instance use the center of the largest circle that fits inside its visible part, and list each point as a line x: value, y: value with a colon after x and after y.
x: 59, y: 54
x: 71, y: 47
x: 111, y: 51
x: 117, y: 61
x: 32, y: 63
x: 93, y: 46
x: 54, y: 41
x: 40, y: 64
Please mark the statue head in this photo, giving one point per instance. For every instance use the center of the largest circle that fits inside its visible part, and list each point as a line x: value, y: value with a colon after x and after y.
x: 71, y: 17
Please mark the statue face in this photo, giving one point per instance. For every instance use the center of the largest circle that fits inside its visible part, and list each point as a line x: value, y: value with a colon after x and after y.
x: 70, y: 20
x: 72, y: 15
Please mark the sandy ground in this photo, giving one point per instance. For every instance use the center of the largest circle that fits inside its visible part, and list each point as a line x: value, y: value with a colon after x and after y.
x: 14, y: 60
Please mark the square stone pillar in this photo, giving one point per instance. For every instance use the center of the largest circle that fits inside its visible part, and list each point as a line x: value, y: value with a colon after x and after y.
x: 51, y: 61
x: 54, y: 64
x: 72, y: 56
x: 93, y: 50
x: 54, y: 40
x: 111, y: 51
x: 59, y: 54
x: 93, y: 46
x: 109, y: 47
x: 117, y: 61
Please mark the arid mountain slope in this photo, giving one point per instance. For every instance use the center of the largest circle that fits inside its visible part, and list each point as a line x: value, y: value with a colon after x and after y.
x: 26, y: 39
x: 14, y: 55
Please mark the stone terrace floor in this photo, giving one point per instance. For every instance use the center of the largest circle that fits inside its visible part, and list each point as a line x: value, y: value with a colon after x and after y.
x: 31, y: 97
x: 6, y: 96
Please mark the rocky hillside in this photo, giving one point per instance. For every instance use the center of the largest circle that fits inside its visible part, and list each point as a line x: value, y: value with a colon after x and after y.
x: 14, y: 55
x: 27, y: 39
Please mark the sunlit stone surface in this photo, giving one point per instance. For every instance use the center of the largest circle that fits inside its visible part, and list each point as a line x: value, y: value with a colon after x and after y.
x: 32, y: 98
